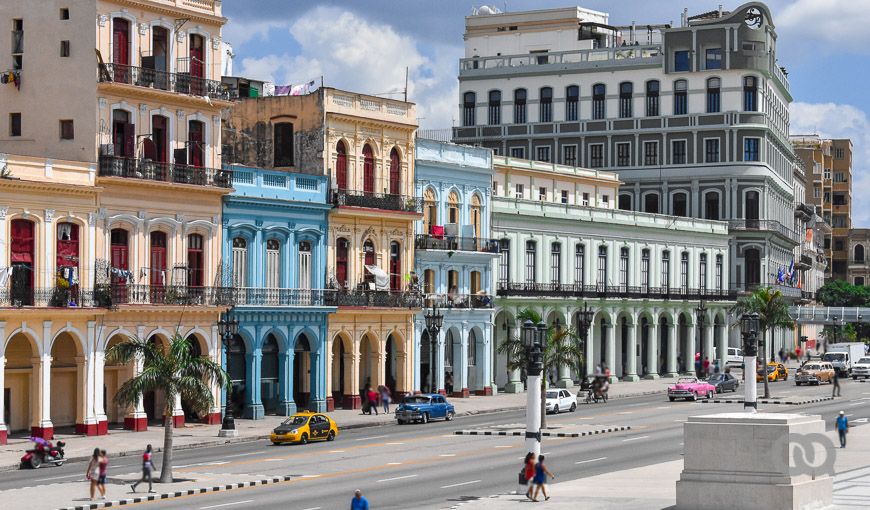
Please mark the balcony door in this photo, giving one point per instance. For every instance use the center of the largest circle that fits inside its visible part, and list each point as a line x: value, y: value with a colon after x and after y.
x: 368, y: 170
x: 195, y: 261
x: 369, y: 259
x: 160, y: 138
x: 22, y: 258
x: 120, y: 260
x: 160, y: 56
x: 395, y: 266
x: 305, y: 265
x: 752, y: 209
x: 196, y: 143
x: 67, y: 263
x: 341, y: 166
x: 341, y: 261
x: 123, y: 134
x: 395, y: 172
x: 197, y: 65
x: 121, y: 49
x: 158, y: 259
x: 752, y: 258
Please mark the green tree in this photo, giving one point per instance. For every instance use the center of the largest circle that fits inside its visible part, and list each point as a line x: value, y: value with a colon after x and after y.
x: 563, y: 349
x: 843, y: 293
x: 772, y: 313
x: 174, y: 371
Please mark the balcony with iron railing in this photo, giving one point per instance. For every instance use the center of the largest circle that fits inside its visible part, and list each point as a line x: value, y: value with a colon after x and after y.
x: 19, y: 296
x: 362, y: 298
x: 455, y: 243
x: 120, y: 294
x: 114, y: 166
x: 180, y: 83
x: 612, y: 291
x: 764, y: 226
x: 260, y: 296
x: 383, y: 201
x: 459, y: 301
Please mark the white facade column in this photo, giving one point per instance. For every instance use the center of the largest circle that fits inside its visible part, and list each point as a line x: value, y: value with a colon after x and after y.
x: 673, y: 339
x: 590, y: 351
x: 652, y: 350
x: 216, y: 356
x: 462, y: 380
x: 708, y: 342
x: 722, y: 345
x: 42, y: 369
x: 611, y: 350
x: 515, y: 383
x: 3, y: 427
x: 488, y: 384
x: 3, y: 255
x: 439, y: 362
x: 631, y: 346
x: 418, y: 336
x: 689, y: 355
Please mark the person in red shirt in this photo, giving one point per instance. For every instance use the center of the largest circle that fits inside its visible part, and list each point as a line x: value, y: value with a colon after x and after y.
x: 373, y: 401
x: 147, y: 469
x: 529, y: 468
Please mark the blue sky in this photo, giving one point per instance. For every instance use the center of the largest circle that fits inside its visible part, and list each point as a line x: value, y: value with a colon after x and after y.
x: 365, y: 45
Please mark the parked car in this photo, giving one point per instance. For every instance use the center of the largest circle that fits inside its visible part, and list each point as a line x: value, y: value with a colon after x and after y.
x: 422, y: 408
x: 861, y: 368
x: 734, y: 357
x: 814, y: 372
x: 690, y: 388
x: 561, y: 400
x: 723, y: 382
x: 775, y: 372
x: 303, y: 427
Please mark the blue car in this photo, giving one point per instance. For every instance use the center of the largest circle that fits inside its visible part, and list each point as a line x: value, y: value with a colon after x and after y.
x: 422, y: 408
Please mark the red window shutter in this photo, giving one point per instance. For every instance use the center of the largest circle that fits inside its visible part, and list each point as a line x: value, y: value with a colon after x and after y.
x: 21, y: 247
x: 395, y: 177
x: 341, y: 167
x: 368, y: 170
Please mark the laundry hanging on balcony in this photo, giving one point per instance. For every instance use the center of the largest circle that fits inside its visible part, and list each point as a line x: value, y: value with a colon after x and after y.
x: 11, y: 78
x: 5, y: 274
x: 382, y: 281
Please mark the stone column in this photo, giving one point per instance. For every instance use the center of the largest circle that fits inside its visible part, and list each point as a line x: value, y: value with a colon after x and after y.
x: 286, y: 405
x: 590, y: 351
x: 515, y: 381
x: 631, y: 355
x: 4, y: 431
x: 652, y: 350
x: 487, y: 385
x: 41, y: 419
x: 708, y: 343
x: 416, y: 374
x: 689, y: 355
x: 611, y: 351
x: 461, y: 383
x: 318, y: 383
x: 177, y: 413
x: 439, y: 362
x: 253, y: 404
x: 673, y: 337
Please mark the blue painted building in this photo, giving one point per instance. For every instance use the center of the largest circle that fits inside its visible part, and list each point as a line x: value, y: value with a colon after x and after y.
x: 454, y: 259
x: 274, y: 253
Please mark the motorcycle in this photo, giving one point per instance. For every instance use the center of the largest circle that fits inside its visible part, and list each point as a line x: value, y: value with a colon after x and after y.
x: 597, y: 390
x: 43, y: 452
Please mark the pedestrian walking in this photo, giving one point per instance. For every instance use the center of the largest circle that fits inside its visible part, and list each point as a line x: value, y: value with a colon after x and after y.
x: 842, y: 428
x: 373, y: 401
x: 359, y: 502
x: 93, y: 472
x: 385, y: 399
x: 781, y: 355
x: 706, y: 366
x: 103, y: 471
x: 541, y: 474
x: 528, y: 473
x: 448, y: 382
x: 698, y: 366
x: 598, y: 369
x: 147, y: 469
x: 836, y: 390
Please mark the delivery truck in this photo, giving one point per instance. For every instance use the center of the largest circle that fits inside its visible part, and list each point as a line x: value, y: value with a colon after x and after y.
x: 843, y: 355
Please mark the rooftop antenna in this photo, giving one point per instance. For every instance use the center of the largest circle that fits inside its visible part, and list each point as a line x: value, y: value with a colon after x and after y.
x: 406, y: 84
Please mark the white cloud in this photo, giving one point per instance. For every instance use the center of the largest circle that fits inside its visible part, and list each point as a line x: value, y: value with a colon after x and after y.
x: 840, y: 23
x: 238, y: 33
x: 831, y: 120
x: 354, y: 53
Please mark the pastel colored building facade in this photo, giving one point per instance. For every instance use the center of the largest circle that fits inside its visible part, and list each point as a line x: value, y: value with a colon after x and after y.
x: 274, y: 231
x: 454, y: 260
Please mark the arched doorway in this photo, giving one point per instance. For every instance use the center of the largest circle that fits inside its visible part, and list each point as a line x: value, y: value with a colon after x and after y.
x: 623, y: 348
x: 67, y: 378
x: 341, y: 165
x: 238, y: 373
x: 395, y: 172
x: 643, y: 333
x: 114, y: 376
x: 197, y: 348
x: 368, y: 169
x: 475, y: 381
x: 425, y: 362
x: 368, y: 361
x: 342, y: 373
x: 392, y: 369
x: 686, y: 358
x: 153, y: 402
x: 452, y: 355
x: 503, y: 330
x: 269, y: 378
x: 302, y: 372
x: 20, y: 384
x: 664, y: 354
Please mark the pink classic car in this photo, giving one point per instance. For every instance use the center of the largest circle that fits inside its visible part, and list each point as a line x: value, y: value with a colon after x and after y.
x: 690, y: 388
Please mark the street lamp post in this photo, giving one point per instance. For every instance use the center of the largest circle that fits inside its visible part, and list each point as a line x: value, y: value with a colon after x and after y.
x: 700, y: 313
x: 434, y: 321
x: 584, y: 321
x: 749, y: 331
x: 534, y: 338
x: 228, y: 328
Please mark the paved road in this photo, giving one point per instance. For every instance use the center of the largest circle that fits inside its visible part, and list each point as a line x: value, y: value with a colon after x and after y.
x: 429, y: 467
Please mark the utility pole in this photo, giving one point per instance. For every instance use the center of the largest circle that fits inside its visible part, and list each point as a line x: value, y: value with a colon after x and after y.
x: 534, y: 338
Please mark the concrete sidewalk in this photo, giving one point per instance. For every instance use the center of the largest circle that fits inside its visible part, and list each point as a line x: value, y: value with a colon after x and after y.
x: 195, y: 435
x: 654, y: 486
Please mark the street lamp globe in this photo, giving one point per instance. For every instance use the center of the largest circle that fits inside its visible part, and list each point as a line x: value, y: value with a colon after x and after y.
x: 528, y: 334
x: 541, y: 339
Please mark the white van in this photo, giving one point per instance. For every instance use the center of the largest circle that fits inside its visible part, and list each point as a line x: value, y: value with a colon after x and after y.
x: 734, y: 358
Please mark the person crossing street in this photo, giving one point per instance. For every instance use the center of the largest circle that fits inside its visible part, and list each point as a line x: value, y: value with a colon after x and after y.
x: 842, y: 428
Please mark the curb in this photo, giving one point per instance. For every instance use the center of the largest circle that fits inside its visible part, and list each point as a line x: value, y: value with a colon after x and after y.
x: 545, y: 434
x: 178, y: 494
x: 779, y: 402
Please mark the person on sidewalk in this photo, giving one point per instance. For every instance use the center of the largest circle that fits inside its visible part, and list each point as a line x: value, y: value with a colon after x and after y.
x: 836, y: 391
x: 147, y: 469
x: 842, y: 428
x: 706, y: 367
x: 373, y: 401
x: 529, y: 472
x: 104, y: 470
x: 93, y: 471
x: 385, y: 399
x: 359, y: 502
x: 541, y: 474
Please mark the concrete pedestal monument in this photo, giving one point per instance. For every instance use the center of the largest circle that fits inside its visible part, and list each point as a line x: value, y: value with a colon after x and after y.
x: 740, y: 461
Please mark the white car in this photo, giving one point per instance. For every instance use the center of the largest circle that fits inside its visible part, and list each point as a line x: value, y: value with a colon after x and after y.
x: 561, y: 400
x: 734, y: 358
x: 861, y: 368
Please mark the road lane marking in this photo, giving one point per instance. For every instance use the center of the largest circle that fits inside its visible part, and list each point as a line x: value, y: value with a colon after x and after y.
x: 310, y: 476
x: 505, y: 446
x: 447, y: 455
x: 227, y: 504
x: 394, y: 444
x: 396, y: 478
x: 663, y: 407
x: 370, y: 437
x: 56, y: 478
x: 336, y: 451
x: 240, y: 455
x: 626, y: 412
x: 588, y: 418
x: 590, y: 460
x: 272, y: 460
x: 460, y: 484
x: 634, y: 438
x: 312, y: 508
x: 394, y: 463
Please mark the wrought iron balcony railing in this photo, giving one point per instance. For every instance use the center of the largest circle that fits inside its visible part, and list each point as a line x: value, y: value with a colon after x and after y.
x: 113, y: 166
x: 385, y: 201
x: 258, y: 296
x: 179, y: 295
x: 460, y: 301
x: 454, y: 243
x: 181, y: 83
x: 612, y: 291
x: 764, y: 225
x: 374, y: 298
x: 51, y: 297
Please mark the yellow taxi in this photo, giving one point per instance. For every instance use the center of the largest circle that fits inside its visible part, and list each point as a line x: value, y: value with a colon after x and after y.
x: 775, y: 372
x: 303, y: 427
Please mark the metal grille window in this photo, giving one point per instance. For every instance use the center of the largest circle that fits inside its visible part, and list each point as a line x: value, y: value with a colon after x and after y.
x: 469, y: 99
x: 711, y: 150
x: 596, y: 155
x: 719, y: 273
x: 546, y: 105
x: 304, y: 265
x: 750, y: 149
x: 678, y: 152
x: 531, y: 254
x: 623, y: 154
x: 580, y: 264
x: 543, y: 154
x: 572, y: 100
x: 644, y: 270
x: 623, y: 268
x: 556, y: 263
x: 750, y: 94
x: 652, y: 98
x: 713, y: 95
x: 569, y: 155
x: 504, y: 261
x: 681, y: 97
x: 625, y: 92
x: 518, y: 152
x: 678, y: 204
x: 666, y: 270
x: 520, y: 106
x: 650, y: 153
x: 598, y: 99
x: 494, y: 116
x: 702, y: 272
x: 602, y: 267
x: 684, y: 271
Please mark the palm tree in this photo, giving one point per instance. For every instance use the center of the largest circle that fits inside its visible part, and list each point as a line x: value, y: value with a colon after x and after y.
x: 563, y: 349
x: 175, y: 371
x: 772, y: 313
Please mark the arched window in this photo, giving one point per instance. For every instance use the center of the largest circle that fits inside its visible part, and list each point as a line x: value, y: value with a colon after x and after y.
x: 469, y: 100
x: 123, y: 136
x: 750, y: 94
x: 520, y: 106
x: 430, y: 210
x: 626, y: 90
x: 120, y: 257
x: 21, y: 253
x: 572, y: 100
x: 273, y: 264
x: 598, y: 101
x: 752, y: 209
x: 395, y: 266
x: 713, y: 95
x: 651, y: 203
x: 531, y: 256
x: 368, y: 169
x: 240, y: 262
x: 453, y: 207
x: 121, y: 50
x: 195, y: 261
x: 395, y: 172
x: 752, y: 259
x: 67, y: 263
x: 681, y: 97
x: 341, y: 165
x: 158, y: 258
x: 556, y: 263
x: 369, y: 258
x: 429, y: 281
x: 711, y: 206
x: 859, y: 253
x: 679, y: 204
x: 472, y: 349
x: 341, y: 249
x: 475, y: 282
x: 546, y: 105
x: 305, y: 265
x: 652, y: 98
x: 494, y: 116
x: 475, y: 215
x: 624, y: 201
